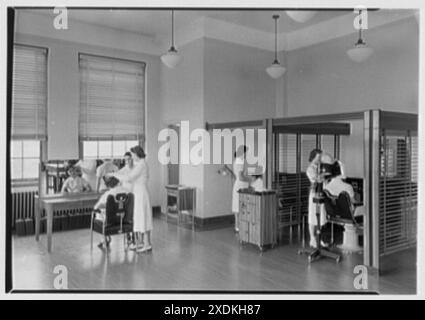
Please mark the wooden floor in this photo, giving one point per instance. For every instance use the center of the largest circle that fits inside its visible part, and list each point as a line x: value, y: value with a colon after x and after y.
x: 184, y: 260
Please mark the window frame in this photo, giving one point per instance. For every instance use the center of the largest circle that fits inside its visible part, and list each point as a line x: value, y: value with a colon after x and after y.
x: 81, y: 148
x: 43, y: 142
x: 141, y: 138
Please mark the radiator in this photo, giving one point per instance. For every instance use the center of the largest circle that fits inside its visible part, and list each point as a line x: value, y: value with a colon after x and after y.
x: 23, y: 204
x: 23, y: 211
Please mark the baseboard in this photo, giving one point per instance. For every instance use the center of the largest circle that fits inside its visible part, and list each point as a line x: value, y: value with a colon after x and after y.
x: 218, y: 222
x: 204, y: 224
x: 156, y: 211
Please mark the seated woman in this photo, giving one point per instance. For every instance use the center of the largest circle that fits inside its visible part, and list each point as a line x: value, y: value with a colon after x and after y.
x: 114, y: 188
x: 75, y: 183
x: 335, y: 183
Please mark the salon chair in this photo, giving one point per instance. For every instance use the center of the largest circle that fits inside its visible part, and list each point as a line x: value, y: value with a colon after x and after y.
x: 118, y: 218
x: 340, y: 211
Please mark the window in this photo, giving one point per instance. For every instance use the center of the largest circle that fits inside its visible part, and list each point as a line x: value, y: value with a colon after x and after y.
x: 25, y: 159
x: 112, y: 104
x: 29, y: 110
x: 107, y: 149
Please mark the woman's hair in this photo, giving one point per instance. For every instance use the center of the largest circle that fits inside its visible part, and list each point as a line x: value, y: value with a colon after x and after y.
x: 313, y: 154
x: 127, y: 154
x: 139, y: 151
x: 243, y: 147
x: 111, y: 182
x: 336, y: 169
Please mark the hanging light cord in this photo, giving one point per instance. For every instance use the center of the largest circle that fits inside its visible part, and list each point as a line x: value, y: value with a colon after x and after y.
x: 360, y: 41
x: 172, y: 30
x: 275, y: 17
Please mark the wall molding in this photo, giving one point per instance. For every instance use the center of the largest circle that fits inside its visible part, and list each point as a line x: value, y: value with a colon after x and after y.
x: 38, y: 24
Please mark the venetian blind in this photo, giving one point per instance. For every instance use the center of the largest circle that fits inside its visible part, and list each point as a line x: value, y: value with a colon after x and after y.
x: 112, y: 98
x: 29, y: 93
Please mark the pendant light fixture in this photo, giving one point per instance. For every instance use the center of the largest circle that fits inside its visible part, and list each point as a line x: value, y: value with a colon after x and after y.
x: 171, y: 59
x: 276, y: 70
x: 301, y: 15
x: 361, y: 51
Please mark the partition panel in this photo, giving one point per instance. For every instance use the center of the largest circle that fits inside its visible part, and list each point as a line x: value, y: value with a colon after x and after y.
x: 291, y: 160
x: 397, y: 192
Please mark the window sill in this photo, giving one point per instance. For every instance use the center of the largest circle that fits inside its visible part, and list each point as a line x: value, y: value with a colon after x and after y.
x: 24, y: 184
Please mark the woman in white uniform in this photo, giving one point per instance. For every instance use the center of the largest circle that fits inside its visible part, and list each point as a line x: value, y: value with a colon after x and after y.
x: 241, y: 181
x: 314, y: 177
x: 142, y: 213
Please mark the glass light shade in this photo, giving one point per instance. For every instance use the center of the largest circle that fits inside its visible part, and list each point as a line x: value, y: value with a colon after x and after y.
x: 276, y: 70
x: 171, y: 59
x: 359, y: 53
x: 301, y: 16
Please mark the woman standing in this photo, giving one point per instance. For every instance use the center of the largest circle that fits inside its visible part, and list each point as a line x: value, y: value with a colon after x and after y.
x: 142, y: 213
x: 241, y: 181
x: 313, y: 175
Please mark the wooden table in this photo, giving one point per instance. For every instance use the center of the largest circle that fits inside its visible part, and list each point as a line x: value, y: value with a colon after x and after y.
x: 60, y: 201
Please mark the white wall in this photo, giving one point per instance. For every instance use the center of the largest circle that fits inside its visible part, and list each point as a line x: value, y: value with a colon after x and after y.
x: 322, y: 79
x: 217, y: 82
x: 182, y: 99
x: 237, y: 88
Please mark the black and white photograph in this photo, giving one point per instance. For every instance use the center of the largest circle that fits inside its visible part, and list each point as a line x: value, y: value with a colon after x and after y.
x: 220, y: 149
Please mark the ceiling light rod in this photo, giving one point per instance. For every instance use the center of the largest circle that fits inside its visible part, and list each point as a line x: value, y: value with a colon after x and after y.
x: 275, y: 17
x: 360, y: 41
x: 172, y: 32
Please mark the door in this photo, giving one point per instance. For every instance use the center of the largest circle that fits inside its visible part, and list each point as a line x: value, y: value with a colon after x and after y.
x: 174, y: 168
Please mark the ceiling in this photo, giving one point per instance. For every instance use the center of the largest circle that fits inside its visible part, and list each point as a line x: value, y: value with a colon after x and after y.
x: 155, y: 23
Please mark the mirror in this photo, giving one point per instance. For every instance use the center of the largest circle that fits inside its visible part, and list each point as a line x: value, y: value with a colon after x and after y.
x: 75, y: 175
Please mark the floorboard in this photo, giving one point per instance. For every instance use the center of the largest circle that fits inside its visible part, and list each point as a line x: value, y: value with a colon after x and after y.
x: 183, y: 260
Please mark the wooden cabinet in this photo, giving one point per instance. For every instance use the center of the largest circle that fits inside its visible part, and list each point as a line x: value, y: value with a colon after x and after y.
x: 257, y: 218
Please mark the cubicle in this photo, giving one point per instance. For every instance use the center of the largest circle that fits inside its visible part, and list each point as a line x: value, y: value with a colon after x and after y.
x: 379, y: 151
x: 391, y: 158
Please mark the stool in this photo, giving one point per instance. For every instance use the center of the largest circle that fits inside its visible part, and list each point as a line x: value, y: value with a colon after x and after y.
x: 350, y: 241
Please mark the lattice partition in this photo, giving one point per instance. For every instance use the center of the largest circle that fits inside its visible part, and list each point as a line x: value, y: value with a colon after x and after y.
x: 397, y: 192
x: 292, y: 151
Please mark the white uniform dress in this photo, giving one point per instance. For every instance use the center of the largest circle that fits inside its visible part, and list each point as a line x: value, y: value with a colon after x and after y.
x: 138, y: 177
x: 312, y: 207
x: 238, y: 167
x: 88, y: 167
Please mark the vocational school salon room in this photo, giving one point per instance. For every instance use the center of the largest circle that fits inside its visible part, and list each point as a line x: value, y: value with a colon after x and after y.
x: 213, y: 150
